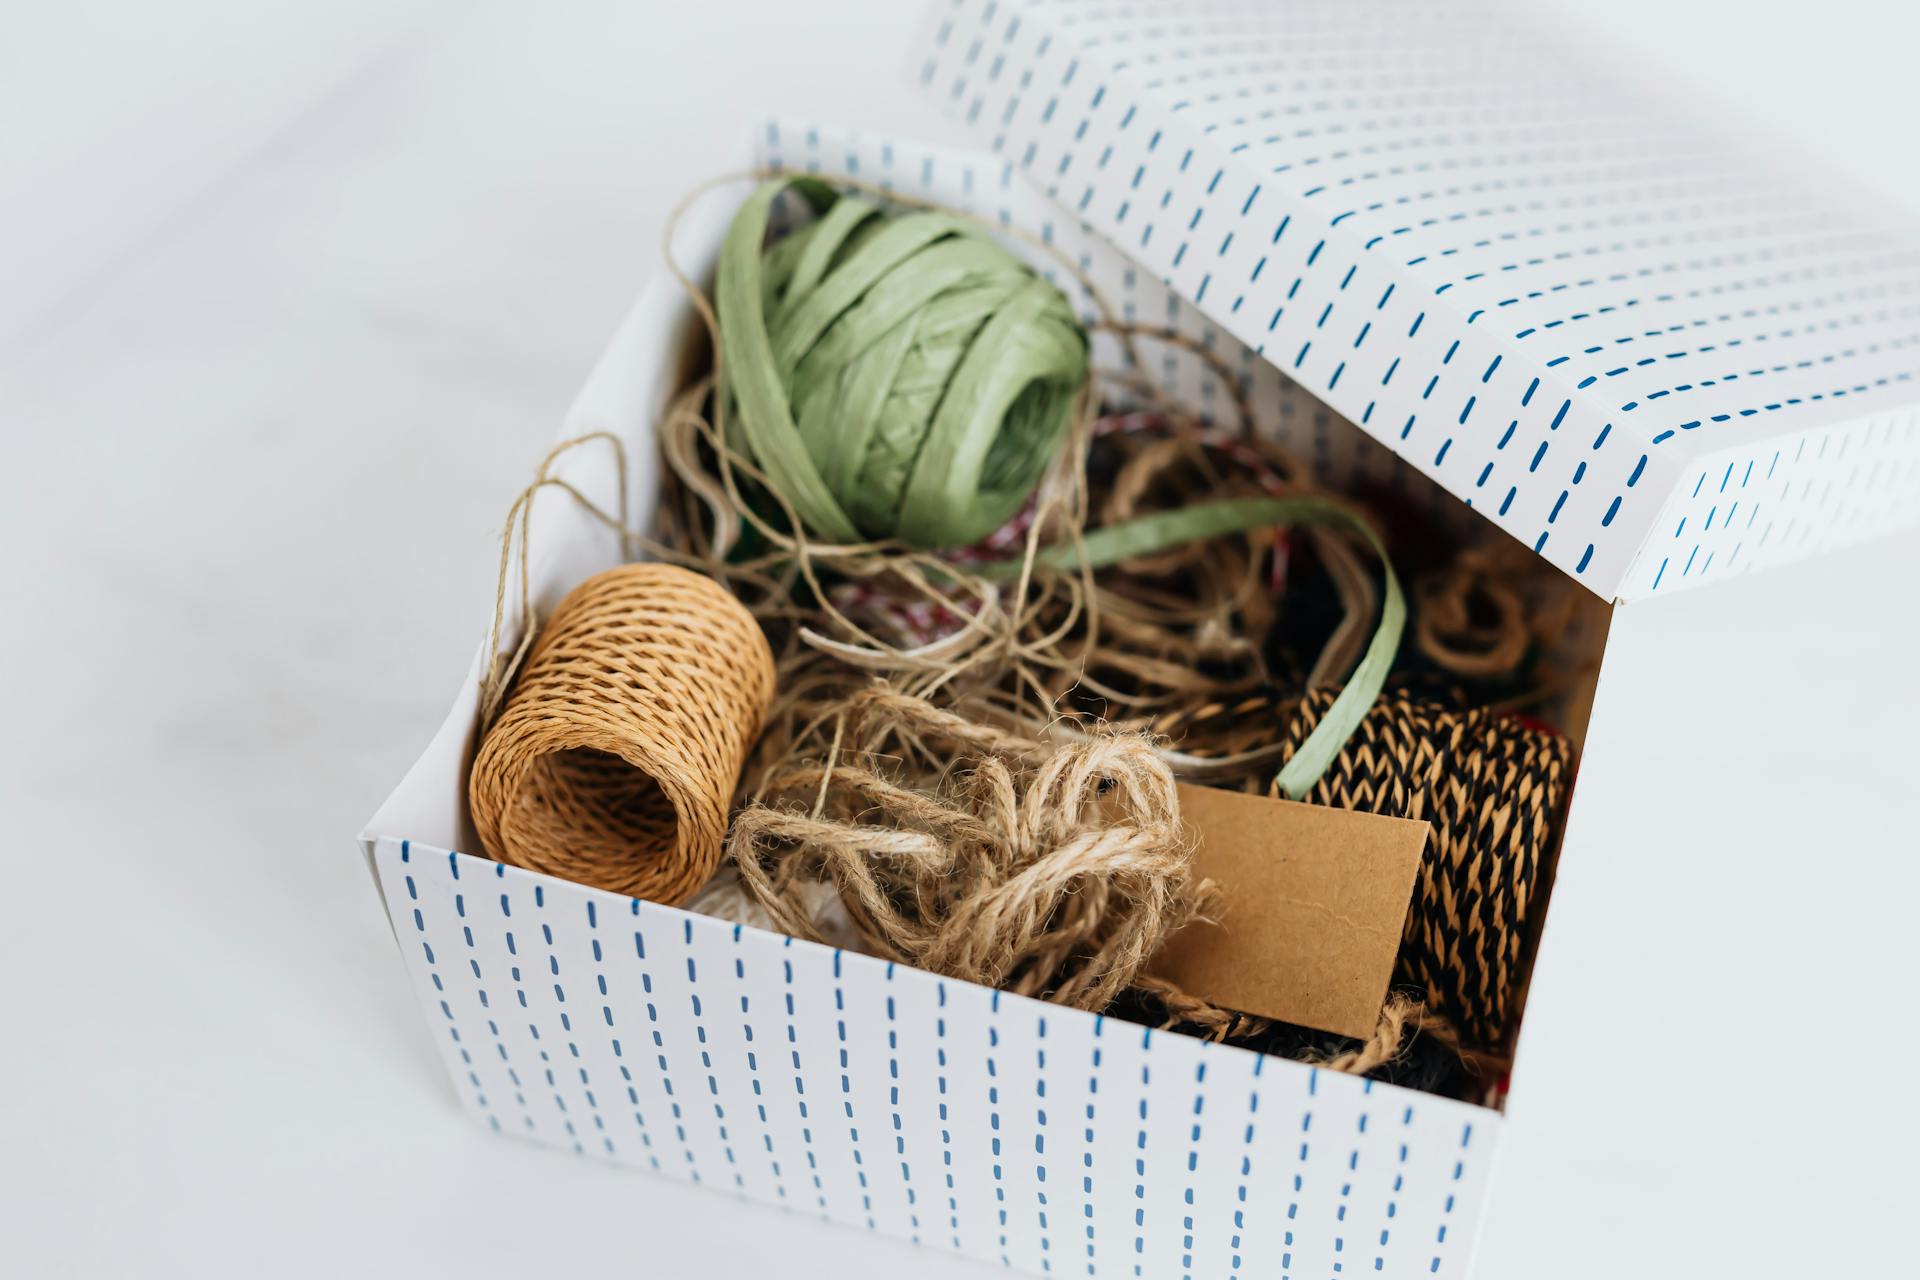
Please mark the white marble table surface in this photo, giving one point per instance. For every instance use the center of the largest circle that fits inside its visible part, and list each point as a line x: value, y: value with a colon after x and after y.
x: 296, y: 296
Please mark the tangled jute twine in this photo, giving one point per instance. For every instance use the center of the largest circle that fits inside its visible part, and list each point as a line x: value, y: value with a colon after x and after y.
x: 615, y: 759
x: 1481, y: 615
x: 1054, y: 872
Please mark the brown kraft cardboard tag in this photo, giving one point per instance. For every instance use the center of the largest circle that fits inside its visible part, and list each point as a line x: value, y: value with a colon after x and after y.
x: 1312, y: 901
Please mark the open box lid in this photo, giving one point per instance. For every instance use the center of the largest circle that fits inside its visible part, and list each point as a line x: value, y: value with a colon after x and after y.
x: 1630, y: 343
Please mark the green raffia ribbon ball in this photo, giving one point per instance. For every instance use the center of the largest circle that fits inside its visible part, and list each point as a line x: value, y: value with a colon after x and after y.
x: 894, y: 375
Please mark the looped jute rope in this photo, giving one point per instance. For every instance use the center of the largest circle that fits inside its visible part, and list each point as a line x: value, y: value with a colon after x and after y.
x: 1055, y: 873
x: 1402, y: 1020
x: 1149, y: 534
x: 1480, y: 615
x: 1469, y: 624
x: 1194, y: 1015
x: 1471, y: 618
x: 1491, y: 786
x: 614, y: 761
x: 1179, y: 459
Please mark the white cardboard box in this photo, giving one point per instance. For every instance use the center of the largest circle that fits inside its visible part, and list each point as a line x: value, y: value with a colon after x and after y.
x: 1052, y: 1140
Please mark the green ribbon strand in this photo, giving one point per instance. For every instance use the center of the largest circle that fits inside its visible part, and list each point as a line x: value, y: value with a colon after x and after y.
x: 895, y: 376
x: 1163, y: 530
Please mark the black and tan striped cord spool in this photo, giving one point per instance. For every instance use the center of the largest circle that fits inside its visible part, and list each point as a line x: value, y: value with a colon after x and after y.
x: 1492, y: 787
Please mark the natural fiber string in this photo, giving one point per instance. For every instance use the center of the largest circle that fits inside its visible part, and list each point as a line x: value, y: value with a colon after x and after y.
x: 1187, y: 1011
x: 1160, y: 465
x: 1448, y: 631
x: 614, y: 761
x: 1481, y: 615
x: 1149, y: 534
x: 501, y: 667
x: 1052, y: 873
x: 1402, y: 1020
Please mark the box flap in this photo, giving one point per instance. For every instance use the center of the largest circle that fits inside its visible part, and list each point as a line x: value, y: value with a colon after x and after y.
x: 1652, y: 356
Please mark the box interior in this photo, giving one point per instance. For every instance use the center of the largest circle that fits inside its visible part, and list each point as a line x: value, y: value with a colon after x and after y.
x: 632, y: 382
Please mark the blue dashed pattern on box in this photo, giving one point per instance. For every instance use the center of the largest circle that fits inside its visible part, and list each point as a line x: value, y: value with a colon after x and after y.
x: 1022, y: 1133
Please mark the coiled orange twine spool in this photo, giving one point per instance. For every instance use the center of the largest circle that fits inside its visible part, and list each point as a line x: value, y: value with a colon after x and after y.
x: 614, y: 761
